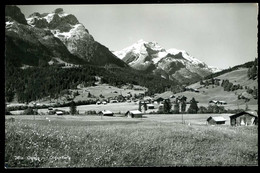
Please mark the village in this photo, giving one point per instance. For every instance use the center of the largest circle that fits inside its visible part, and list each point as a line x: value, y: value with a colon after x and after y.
x: 145, y: 106
x: 119, y: 85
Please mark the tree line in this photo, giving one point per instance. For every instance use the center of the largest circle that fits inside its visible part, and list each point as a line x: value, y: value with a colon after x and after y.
x: 34, y: 83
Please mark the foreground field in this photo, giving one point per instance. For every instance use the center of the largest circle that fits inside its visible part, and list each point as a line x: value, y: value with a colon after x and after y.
x: 89, y: 141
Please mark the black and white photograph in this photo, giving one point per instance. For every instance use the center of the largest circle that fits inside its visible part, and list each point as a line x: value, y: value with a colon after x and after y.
x: 131, y: 85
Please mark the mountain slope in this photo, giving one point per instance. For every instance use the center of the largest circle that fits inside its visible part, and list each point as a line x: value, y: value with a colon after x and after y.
x: 236, y: 97
x: 30, y: 45
x: 170, y: 64
x: 74, y: 36
x: 51, y: 37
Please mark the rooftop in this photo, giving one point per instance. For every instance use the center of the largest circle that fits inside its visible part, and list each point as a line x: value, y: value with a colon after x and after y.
x: 217, y: 119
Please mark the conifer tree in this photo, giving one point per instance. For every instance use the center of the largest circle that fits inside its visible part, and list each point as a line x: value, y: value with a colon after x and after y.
x: 73, y: 108
x: 193, y: 109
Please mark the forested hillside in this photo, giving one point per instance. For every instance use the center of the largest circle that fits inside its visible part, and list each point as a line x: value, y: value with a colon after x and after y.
x: 37, y: 82
x: 249, y: 64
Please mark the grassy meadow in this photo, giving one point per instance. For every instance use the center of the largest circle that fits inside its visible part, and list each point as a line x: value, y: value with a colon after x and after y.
x: 89, y: 141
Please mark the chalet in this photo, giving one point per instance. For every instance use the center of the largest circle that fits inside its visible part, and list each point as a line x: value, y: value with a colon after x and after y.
x: 159, y: 99
x: 113, y: 101
x: 106, y: 113
x: 244, y: 118
x: 148, y: 98
x: 218, y: 102
x: 150, y: 106
x: 134, y: 114
x: 222, y: 102
x: 213, y: 101
x: 59, y: 113
x: 172, y: 96
x: 216, y: 120
x: 50, y: 108
x: 98, y: 103
x: 196, y: 91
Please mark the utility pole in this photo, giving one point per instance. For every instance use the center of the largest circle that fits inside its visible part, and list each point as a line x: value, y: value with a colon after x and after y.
x: 182, y: 117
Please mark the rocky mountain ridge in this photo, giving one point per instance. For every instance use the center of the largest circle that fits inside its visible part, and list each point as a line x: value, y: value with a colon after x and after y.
x: 52, y: 35
x: 170, y: 64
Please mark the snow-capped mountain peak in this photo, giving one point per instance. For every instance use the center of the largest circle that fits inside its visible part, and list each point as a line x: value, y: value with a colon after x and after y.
x: 144, y: 55
x: 142, y: 48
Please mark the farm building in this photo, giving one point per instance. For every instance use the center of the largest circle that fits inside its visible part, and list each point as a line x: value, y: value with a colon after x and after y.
x: 216, y: 120
x: 59, y: 113
x: 150, y: 106
x: 158, y: 99
x: 113, y: 101
x: 222, y: 102
x: 244, y: 118
x: 218, y: 102
x: 134, y: 114
x: 106, y: 113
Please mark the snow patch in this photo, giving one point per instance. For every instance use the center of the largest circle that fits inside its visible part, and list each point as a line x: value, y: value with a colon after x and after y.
x: 214, y: 69
x: 9, y: 23
x: 63, y: 14
x: 49, y: 17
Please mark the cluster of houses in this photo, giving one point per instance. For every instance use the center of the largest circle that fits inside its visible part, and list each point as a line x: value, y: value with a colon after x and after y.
x: 244, y: 118
x: 192, y: 90
x: 217, y: 102
x: 130, y: 114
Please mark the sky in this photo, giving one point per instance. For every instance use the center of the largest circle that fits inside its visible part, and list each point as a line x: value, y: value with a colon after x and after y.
x: 221, y: 35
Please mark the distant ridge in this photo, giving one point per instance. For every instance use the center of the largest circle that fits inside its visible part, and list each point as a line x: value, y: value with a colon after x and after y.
x: 48, y: 36
x: 170, y: 64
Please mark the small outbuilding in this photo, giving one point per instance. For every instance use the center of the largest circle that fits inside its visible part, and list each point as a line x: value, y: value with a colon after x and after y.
x: 59, y: 113
x: 134, y: 114
x: 244, y: 118
x: 150, y: 106
x: 216, y: 120
x: 106, y: 113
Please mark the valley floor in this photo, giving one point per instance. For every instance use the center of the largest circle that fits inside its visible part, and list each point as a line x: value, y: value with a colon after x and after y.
x: 155, y: 140
x: 122, y: 108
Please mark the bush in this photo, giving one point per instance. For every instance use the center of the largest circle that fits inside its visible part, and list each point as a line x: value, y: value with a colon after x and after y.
x: 73, y: 108
x: 202, y: 110
x: 193, y: 109
x: 30, y: 111
x: 167, y: 106
x: 91, y: 112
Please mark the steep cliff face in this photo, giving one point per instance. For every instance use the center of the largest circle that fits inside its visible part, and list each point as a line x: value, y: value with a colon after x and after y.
x: 15, y: 13
x: 30, y: 45
x: 170, y: 64
x: 74, y: 36
x: 42, y: 38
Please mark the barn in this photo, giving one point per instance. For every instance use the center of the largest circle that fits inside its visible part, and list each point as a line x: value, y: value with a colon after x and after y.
x: 216, y: 120
x: 134, y: 114
x: 244, y: 118
x: 59, y: 113
x: 106, y: 113
x: 150, y: 106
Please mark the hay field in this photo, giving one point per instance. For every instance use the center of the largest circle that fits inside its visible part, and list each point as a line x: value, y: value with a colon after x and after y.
x: 155, y: 140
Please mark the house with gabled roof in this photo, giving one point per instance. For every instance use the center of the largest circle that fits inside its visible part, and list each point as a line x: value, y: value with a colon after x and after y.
x: 216, y: 120
x: 134, y: 114
x: 244, y: 118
